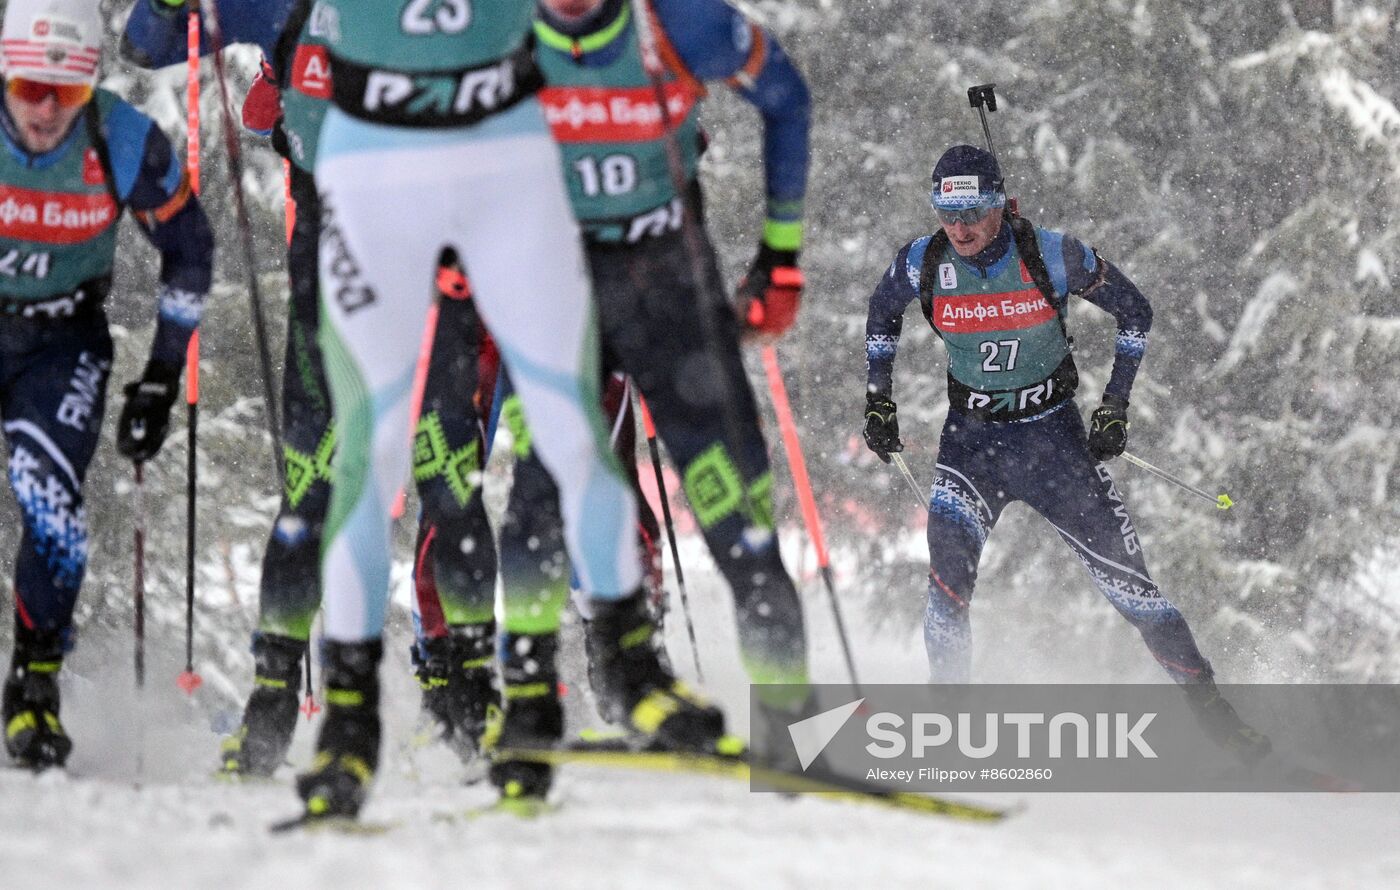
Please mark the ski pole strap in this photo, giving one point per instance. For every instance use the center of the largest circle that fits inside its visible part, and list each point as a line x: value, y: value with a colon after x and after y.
x: 1221, y: 501
x: 793, y: 447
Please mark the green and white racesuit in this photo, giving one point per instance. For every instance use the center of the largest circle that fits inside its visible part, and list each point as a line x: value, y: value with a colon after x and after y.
x: 436, y: 140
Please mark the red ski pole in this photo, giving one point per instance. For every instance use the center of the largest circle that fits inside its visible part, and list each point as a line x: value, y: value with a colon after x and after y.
x: 189, y: 680
x: 793, y: 447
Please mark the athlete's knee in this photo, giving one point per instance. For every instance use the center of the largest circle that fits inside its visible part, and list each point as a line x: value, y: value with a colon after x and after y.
x: 948, y: 598
x: 718, y: 493
x: 448, y: 476
x: 49, y: 493
x: 956, y: 509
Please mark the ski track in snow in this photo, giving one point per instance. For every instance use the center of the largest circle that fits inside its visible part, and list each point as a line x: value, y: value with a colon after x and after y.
x: 182, y: 828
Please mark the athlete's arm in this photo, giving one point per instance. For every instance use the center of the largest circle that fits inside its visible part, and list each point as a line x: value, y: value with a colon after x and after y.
x: 1083, y: 272
x: 717, y: 42
x: 151, y: 181
x: 885, y: 320
x: 155, y: 34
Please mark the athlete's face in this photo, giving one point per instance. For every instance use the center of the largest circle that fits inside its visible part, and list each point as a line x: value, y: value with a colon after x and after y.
x: 970, y: 240
x: 43, y: 124
x: 572, y: 9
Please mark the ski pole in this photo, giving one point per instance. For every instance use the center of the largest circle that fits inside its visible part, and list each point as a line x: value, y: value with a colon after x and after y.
x: 908, y: 477
x: 798, y: 465
x: 138, y: 587
x: 1221, y: 501
x: 192, y: 96
x: 189, y: 680
x: 245, y: 229
x: 649, y: 429
x: 420, y: 386
x: 984, y: 98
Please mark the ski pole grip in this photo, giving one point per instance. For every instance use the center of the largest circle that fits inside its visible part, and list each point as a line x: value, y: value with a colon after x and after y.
x: 983, y: 94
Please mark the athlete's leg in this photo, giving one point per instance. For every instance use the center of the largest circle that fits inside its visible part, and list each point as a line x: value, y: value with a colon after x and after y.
x: 966, y: 500
x: 290, y: 592
x: 650, y: 308
x: 521, y: 248
x: 1063, y: 482
x: 386, y: 196
x: 535, y: 566
x: 53, y: 397
x: 376, y: 269
x: 448, y: 456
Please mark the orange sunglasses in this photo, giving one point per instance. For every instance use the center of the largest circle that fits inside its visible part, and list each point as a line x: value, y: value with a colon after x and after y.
x: 68, y: 95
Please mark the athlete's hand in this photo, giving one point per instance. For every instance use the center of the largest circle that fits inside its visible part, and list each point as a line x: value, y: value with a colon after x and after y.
x: 262, y: 106
x: 1108, y: 428
x: 881, y: 426
x: 771, y: 292
x: 145, y: 417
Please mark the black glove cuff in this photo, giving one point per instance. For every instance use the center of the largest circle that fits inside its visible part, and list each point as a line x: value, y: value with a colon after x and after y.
x: 162, y: 373
x: 768, y: 258
x: 1112, y: 401
x: 878, y: 398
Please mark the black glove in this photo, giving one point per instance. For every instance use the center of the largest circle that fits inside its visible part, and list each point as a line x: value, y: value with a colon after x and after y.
x: 1108, y: 428
x: 771, y: 291
x: 881, y: 426
x: 145, y: 417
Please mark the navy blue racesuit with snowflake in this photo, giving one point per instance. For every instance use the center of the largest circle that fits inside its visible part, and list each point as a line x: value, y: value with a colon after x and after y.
x: 58, y: 237
x: 1014, y: 433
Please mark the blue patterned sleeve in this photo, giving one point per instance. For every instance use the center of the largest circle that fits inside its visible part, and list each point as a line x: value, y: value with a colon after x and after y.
x: 718, y: 42
x: 1076, y: 269
x: 885, y: 320
x: 152, y: 182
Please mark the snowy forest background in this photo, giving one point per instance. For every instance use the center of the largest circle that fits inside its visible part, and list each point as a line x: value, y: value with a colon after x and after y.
x: 1238, y: 161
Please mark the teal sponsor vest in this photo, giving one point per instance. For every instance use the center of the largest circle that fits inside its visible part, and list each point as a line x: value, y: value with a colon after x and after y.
x: 429, y: 63
x: 1008, y: 353
x: 305, y: 72
x: 611, y: 132
x: 426, y: 35
x: 58, y: 225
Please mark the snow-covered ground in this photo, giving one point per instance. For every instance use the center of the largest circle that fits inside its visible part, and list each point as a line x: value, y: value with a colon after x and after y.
x: 165, y: 823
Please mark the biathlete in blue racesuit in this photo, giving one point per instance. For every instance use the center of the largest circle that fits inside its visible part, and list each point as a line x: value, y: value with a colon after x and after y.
x: 995, y: 289
x: 73, y: 158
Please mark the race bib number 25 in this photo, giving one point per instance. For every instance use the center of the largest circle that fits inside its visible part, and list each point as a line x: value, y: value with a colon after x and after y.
x: 422, y: 17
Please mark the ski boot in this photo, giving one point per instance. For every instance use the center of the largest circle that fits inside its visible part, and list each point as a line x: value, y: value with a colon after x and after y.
x: 1223, y: 725
x: 270, y: 717
x: 459, y: 691
x: 637, y: 690
x: 34, y: 737
x: 533, y: 716
x: 347, y: 751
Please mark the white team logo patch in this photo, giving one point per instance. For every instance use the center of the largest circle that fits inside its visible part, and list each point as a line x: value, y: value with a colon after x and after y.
x: 953, y: 188
x: 947, y: 275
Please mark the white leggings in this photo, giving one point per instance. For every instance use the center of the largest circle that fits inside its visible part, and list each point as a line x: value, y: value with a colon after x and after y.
x: 392, y: 198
